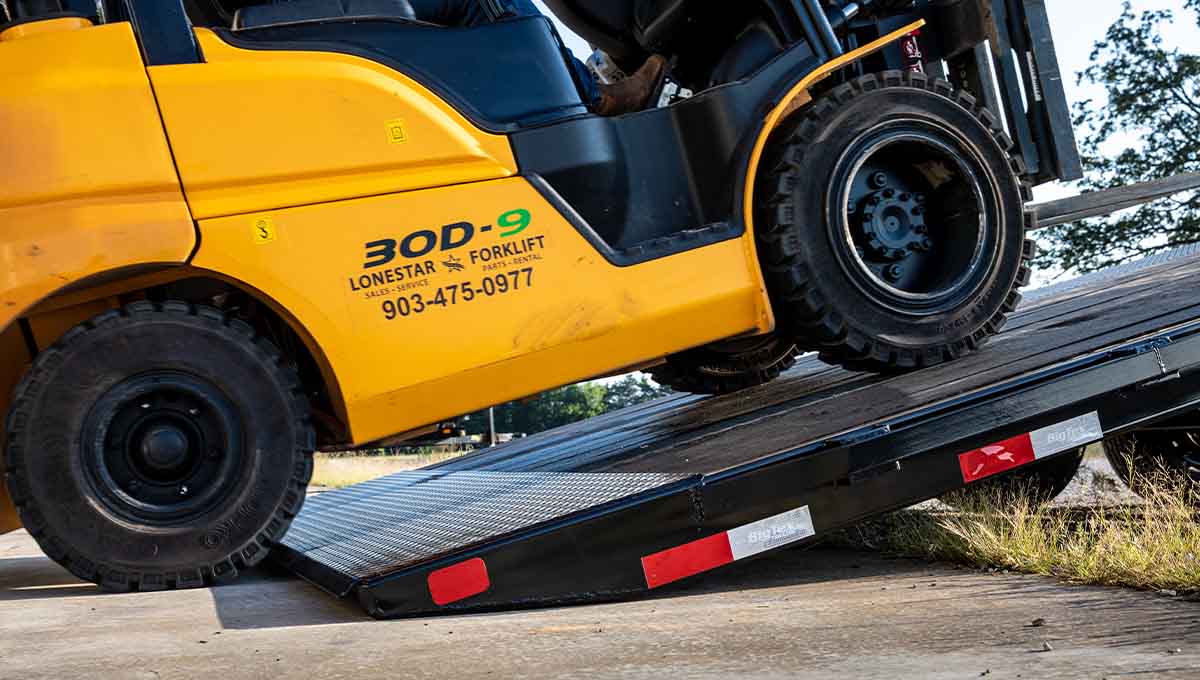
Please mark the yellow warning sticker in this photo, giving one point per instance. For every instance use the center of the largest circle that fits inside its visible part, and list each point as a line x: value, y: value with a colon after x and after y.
x: 265, y: 231
x: 396, y: 132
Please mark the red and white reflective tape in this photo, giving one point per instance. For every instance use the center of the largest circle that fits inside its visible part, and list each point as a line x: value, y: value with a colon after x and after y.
x: 720, y: 549
x: 458, y: 582
x: 1027, y: 448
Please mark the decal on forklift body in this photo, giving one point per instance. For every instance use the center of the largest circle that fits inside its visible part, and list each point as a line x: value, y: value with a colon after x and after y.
x: 458, y: 293
x: 458, y: 582
x: 424, y: 242
x: 1027, y: 448
x: 726, y: 547
x: 264, y: 231
x: 396, y: 132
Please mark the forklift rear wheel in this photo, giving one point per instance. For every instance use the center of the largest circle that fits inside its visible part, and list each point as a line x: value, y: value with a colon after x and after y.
x: 1142, y: 458
x: 1036, y: 484
x: 728, y: 366
x: 892, y: 224
x: 159, y: 446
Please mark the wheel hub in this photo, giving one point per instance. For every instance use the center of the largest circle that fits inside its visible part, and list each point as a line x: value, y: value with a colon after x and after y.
x: 911, y: 218
x: 893, y: 224
x: 164, y: 448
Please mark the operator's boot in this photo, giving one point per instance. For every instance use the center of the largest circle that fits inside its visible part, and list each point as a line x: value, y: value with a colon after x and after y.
x: 635, y: 92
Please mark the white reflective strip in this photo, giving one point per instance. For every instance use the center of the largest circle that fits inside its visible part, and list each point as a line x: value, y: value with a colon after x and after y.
x: 770, y: 533
x: 1066, y: 435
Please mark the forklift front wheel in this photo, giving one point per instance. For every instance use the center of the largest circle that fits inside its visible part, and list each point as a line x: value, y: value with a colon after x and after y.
x: 160, y: 446
x: 728, y: 366
x: 892, y: 224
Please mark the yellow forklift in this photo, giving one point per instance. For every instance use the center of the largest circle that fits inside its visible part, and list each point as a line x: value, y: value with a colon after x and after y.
x: 231, y: 236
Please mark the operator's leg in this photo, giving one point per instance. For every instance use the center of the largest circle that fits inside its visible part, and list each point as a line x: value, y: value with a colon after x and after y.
x: 627, y: 96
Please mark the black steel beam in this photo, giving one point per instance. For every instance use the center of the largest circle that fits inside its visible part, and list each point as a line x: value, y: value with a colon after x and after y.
x: 1100, y: 203
x: 882, y: 466
x: 164, y: 32
x: 1047, y: 98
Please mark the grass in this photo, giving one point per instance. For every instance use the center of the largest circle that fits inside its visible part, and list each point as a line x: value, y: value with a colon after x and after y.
x: 336, y: 470
x: 1153, y: 545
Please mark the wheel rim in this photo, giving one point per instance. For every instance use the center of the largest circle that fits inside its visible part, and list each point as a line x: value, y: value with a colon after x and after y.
x: 912, y: 217
x: 163, y: 448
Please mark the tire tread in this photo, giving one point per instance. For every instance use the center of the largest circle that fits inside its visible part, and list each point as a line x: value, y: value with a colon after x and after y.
x: 811, y: 319
x: 222, y: 569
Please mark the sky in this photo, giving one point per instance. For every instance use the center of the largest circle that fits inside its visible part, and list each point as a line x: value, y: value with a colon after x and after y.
x: 1077, y: 24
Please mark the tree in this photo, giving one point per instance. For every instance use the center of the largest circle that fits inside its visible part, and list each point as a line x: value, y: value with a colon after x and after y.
x: 632, y: 390
x: 567, y: 405
x: 1153, y: 111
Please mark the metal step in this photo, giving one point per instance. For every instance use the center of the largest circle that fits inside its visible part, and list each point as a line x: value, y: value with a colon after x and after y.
x: 350, y: 536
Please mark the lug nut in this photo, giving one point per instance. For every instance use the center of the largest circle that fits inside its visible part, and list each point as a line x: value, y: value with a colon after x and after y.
x: 183, y: 491
x: 893, y: 273
x: 905, y: 198
x: 926, y: 243
x: 889, y: 193
x: 879, y: 180
x: 918, y: 211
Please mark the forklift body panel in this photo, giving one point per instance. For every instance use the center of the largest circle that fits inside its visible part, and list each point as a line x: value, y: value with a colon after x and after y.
x: 518, y: 308
x: 91, y: 187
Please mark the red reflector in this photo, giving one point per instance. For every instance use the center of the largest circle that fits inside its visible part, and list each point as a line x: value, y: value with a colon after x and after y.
x: 997, y: 458
x: 458, y: 582
x: 682, y: 561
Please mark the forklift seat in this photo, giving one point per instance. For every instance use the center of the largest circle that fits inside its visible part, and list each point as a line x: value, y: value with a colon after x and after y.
x: 307, y: 11
x: 503, y: 75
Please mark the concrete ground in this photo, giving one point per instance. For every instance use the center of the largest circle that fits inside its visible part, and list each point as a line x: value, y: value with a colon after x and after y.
x: 798, y: 614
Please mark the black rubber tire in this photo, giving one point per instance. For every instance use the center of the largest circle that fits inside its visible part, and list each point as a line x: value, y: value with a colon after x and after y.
x: 259, y: 493
x: 727, y: 367
x: 1143, y: 456
x: 1038, y: 483
x: 815, y: 300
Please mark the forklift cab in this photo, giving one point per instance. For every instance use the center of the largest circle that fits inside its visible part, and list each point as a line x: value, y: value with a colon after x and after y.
x: 502, y: 76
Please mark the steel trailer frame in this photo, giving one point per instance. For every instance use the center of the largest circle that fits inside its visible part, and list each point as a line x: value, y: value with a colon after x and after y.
x: 547, y: 522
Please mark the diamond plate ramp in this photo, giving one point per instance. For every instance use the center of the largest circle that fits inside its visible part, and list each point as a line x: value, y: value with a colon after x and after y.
x: 367, y: 531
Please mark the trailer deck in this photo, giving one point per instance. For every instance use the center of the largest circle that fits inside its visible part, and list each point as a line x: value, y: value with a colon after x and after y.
x: 641, y: 498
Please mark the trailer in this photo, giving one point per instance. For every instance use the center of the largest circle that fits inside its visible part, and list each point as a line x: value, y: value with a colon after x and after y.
x: 634, y: 501
x: 180, y: 326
